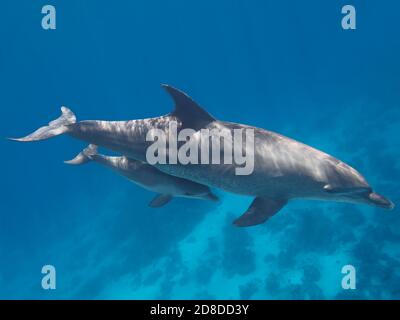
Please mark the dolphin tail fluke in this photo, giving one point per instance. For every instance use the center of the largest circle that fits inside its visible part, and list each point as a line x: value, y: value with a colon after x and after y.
x: 84, y: 156
x: 54, y: 128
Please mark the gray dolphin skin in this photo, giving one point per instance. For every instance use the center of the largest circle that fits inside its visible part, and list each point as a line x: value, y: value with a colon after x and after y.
x: 147, y: 176
x: 284, y: 169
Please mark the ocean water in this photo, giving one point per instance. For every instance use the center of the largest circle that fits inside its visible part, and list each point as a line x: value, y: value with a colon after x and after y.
x: 286, y: 66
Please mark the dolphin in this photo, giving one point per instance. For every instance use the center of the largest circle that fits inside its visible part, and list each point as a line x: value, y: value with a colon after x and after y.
x: 284, y: 169
x: 146, y: 176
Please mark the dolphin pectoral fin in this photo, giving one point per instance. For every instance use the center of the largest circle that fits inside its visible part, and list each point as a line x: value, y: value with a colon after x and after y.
x: 212, y: 197
x: 187, y: 110
x: 260, y: 210
x: 160, y: 200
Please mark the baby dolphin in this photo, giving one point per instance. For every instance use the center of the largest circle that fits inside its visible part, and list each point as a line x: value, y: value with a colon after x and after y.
x: 147, y: 176
x: 284, y: 169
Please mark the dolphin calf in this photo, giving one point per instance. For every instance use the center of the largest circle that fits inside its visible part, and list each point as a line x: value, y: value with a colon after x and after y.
x: 147, y: 176
x: 284, y: 169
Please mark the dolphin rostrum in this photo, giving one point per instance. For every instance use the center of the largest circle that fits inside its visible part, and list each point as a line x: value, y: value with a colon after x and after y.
x: 147, y: 176
x: 284, y: 169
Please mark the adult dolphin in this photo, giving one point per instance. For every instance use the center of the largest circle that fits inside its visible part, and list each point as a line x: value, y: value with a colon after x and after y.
x: 146, y: 176
x: 284, y: 169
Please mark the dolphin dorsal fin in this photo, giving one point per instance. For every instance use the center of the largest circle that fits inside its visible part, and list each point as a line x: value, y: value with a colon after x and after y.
x: 187, y: 110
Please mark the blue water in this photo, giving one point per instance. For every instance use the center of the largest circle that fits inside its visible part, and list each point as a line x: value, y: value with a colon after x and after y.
x: 286, y: 66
